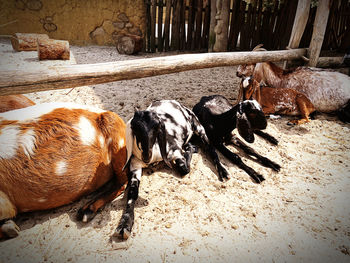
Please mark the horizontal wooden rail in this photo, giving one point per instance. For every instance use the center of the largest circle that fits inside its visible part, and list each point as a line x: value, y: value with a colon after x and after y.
x: 62, y: 77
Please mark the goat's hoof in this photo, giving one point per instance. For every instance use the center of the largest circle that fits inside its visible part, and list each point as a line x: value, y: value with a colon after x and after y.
x: 85, y: 214
x: 10, y: 229
x: 291, y: 123
x: 123, y: 233
x: 224, y: 175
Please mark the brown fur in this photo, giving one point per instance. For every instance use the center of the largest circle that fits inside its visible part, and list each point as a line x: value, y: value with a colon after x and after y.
x: 12, y: 102
x: 32, y: 183
x: 279, y: 101
x: 328, y: 90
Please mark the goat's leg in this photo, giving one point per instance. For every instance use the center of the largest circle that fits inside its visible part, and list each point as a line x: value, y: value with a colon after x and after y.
x: 189, y: 150
x: 126, y: 223
x: 88, y: 211
x: 250, y: 151
x: 9, y: 229
x: 266, y: 136
x: 258, y: 178
x: 208, y: 147
x: 305, y: 108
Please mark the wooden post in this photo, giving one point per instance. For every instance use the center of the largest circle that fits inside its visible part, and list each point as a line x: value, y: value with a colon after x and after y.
x: 221, y: 28
x: 53, y: 49
x: 300, y: 20
x: 63, y: 77
x: 212, y: 25
x: 26, y: 42
x: 318, y: 32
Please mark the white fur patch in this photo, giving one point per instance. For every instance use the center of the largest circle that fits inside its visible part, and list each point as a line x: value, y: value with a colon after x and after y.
x: 101, y: 139
x: 9, y: 141
x: 27, y: 141
x: 256, y: 104
x: 86, y: 131
x: 38, y: 110
x: 121, y: 142
x: 246, y: 82
x: 61, y: 168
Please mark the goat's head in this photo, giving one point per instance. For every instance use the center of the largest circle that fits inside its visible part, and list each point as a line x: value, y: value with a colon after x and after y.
x: 250, y: 117
x: 248, y: 86
x: 245, y: 70
x: 248, y: 69
x: 146, y: 128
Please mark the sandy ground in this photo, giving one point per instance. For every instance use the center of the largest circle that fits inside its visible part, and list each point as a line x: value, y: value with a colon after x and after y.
x: 301, y: 214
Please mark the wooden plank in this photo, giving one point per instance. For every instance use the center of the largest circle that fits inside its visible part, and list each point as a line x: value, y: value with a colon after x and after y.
x: 26, y: 81
x: 175, y: 26
x: 153, y: 25
x: 265, y: 26
x: 273, y: 25
x: 160, y: 26
x: 300, y: 21
x: 198, y: 30
x: 190, y: 24
x: 234, y: 30
x: 148, y: 25
x: 182, y: 25
x: 258, y: 32
x: 242, y: 27
x: 319, y: 29
x: 206, y: 24
x: 291, y: 10
x: 167, y: 25
x: 238, y: 24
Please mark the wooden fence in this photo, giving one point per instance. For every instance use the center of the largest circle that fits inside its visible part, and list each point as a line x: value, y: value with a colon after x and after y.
x: 184, y: 24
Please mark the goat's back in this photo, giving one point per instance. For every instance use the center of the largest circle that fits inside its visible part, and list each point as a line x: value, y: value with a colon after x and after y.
x: 51, y: 155
x: 327, y: 90
x: 12, y: 102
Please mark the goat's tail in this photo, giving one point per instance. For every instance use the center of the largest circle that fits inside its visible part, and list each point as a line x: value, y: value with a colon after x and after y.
x: 344, y: 112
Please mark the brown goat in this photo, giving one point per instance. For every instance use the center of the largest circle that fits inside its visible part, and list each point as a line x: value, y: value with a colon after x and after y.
x: 13, y: 102
x: 329, y: 91
x: 54, y: 153
x: 278, y: 101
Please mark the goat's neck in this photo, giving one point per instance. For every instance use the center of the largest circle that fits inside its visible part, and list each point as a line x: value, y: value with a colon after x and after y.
x: 264, y: 72
x: 256, y: 93
x: 228, y: 117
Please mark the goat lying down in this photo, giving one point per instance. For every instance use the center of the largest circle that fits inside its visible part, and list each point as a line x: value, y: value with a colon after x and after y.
x: 329, y: 91
x: 220, y: 118
x: 54, y: 153
x: 161, y: 132
x: 278, y: 100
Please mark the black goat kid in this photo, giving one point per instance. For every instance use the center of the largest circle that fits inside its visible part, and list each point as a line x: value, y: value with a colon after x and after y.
x: 162, y: 132
x: 220, y: 118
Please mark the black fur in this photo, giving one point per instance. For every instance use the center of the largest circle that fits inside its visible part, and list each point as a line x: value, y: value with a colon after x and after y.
x: 220, y: 118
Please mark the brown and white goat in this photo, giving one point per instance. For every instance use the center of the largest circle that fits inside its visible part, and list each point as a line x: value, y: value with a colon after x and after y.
x: 54, y: 153
x: 329, y: 91
x: 12, y: 102
x: 277, y: 100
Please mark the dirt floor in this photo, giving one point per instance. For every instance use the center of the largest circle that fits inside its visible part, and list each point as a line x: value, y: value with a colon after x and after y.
x: 301, y: 214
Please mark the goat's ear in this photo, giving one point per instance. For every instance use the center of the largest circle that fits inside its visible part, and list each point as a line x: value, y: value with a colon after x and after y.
x: 162, y: 141
x: 129, y: 137
x: 256, y: 116
x: 243, y: 126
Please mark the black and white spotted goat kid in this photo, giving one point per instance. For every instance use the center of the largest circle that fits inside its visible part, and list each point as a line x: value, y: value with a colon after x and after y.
x: 162, y: 132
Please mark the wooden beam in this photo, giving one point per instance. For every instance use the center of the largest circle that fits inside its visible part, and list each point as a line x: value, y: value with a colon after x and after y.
x: 26, y: 81
x: 300, y: 21
x: 318, y: 32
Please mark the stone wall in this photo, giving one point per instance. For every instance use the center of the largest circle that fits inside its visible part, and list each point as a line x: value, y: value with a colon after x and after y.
x: 81, y: 22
